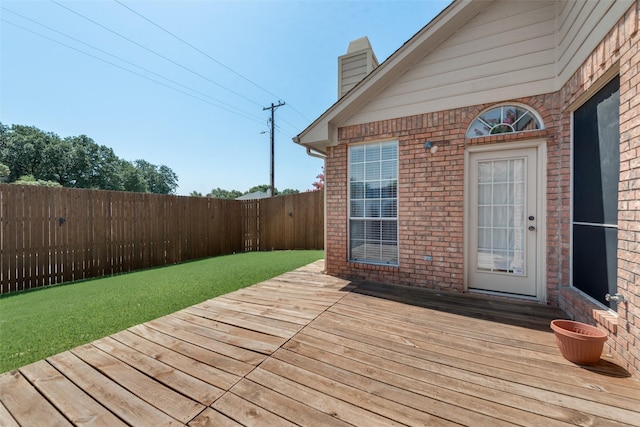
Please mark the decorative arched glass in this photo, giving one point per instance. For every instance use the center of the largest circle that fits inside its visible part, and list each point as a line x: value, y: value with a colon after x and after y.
x: 504, y: 119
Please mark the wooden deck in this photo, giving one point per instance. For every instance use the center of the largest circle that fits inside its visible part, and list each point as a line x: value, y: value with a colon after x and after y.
x: 308, y: 349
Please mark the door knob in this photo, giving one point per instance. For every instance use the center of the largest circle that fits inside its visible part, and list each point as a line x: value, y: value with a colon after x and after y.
x: 531, y: 228
x: 531, y: 217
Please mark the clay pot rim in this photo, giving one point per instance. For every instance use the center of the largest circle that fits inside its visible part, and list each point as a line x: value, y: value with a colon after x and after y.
x: 559, y: 326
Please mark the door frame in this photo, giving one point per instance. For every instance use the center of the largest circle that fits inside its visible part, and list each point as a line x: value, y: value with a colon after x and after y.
x: 541, y: 211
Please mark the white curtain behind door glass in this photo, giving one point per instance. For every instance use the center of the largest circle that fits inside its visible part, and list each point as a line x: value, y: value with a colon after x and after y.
x: 501, y: 216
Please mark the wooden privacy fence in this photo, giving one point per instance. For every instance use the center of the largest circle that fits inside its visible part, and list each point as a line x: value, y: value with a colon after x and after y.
x: 55, y: 235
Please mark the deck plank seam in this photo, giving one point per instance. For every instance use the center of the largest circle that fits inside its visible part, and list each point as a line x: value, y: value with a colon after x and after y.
x: 259, y: 365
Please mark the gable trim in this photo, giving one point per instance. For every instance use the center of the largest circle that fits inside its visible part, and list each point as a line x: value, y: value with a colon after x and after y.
x: 323, y: 131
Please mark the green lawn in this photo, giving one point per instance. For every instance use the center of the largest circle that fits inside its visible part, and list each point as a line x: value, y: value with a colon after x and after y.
x: 38, y: 324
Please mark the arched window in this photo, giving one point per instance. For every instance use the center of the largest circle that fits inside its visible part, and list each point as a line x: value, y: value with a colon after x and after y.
x: 505, y: 119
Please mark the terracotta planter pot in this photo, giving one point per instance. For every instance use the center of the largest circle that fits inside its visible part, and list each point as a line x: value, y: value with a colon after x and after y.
x: 578, y: 342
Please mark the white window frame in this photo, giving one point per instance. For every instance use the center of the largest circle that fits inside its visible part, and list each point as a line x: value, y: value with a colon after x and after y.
x: 394, y: 260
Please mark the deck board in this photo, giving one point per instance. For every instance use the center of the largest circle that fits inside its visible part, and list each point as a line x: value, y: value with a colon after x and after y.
x: 202, y: 357
x: 296, y: 387
x: 286, y: 407
x: 121, y: 402
x: 77, y: 406
x: 247, y: 413
x: 210, y: 380
x: 309, y: 349
x: 169, y: 375
x: 26, y: 404
x: 213, y: 418
x: 254, y: 323
x: 450, y: 384
x: 6, y: 419
x: 146, y: 387
x: 286, y: 364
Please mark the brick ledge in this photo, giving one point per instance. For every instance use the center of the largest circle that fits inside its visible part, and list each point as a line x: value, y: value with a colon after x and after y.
x: 607, y: 319
x: 583, y: 309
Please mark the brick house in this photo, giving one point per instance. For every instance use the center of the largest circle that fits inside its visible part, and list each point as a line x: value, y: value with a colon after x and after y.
x: 497, y: 151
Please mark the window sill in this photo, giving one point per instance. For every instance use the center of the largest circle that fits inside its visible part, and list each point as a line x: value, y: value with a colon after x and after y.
x: 373, y: 266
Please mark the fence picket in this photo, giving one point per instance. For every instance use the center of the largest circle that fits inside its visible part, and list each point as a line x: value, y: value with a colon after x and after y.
x: 53, y: 235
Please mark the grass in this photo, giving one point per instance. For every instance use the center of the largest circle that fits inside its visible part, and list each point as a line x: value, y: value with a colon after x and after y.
x: 37, y: 324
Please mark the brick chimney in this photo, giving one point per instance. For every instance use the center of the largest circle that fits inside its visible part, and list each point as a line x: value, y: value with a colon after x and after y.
x: 355, y: 65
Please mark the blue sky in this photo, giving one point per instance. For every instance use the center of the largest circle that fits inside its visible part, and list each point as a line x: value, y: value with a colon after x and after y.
x: 277, y: 50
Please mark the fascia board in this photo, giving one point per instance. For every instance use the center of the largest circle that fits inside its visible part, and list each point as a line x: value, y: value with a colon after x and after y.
x: 316, y: 137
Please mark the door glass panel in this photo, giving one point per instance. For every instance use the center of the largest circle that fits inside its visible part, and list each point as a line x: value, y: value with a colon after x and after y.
x: 501, y: 225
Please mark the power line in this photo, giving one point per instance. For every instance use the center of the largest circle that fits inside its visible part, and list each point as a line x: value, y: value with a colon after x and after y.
x: 206, y: 55
x: 237, y: 110
x: 156, y: 53
x: 132, y: 72
x: 290, y: 125
x: 300, y: 114
x: 195, y: 48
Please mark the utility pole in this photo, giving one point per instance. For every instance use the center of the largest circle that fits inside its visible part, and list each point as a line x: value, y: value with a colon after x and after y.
x: 273, y: 126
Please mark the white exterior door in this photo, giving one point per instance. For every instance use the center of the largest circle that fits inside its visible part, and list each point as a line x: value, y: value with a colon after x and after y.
x: 502, y: 224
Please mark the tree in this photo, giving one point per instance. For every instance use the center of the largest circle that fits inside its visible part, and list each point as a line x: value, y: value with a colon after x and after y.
x: 159, y: 179
x: 219, y: 193
x: 21, y: 149
x: 169, y: 180
x: 195, y: 194
x: 288, y: 191
x: 75, y: 161
x: 4, y: 142
x: 95, y: 166
x: 4, y: 172
x: 59, y: 162
x: 319, y: 184
x: 262, y: 188
x: 132, y: 179
x: 31, y: 180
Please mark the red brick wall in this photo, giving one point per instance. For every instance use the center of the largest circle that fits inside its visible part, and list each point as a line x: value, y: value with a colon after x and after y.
x: 430, y: 207
x: 628, y: 340
x: 619, y: 47
x: 430, y: 193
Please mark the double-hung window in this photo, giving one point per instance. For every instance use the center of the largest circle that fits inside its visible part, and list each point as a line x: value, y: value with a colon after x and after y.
x: 373, y: 203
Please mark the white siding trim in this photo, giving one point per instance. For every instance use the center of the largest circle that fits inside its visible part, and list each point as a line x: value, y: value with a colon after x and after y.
x: 508, y: 48
x: 580, y: 27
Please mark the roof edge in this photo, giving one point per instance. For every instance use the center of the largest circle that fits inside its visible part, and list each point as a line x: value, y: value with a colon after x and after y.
x: 321, y: 133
